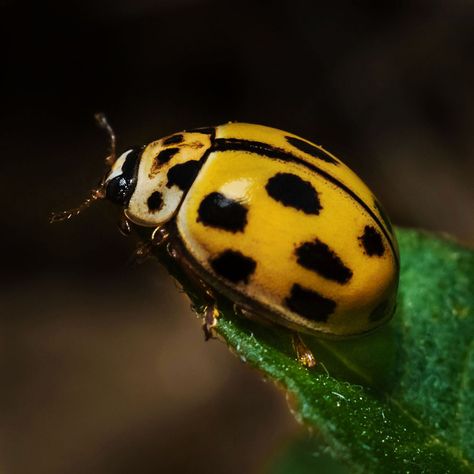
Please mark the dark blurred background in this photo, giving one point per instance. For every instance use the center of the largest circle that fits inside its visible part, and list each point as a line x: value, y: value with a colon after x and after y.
x: 104, y: 368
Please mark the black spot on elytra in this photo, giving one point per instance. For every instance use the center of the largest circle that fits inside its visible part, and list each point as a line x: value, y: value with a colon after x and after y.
x: 381, y: 311
x: 183, y: 174
x: 317, y: 256
x: 216, y: 210
x: 295, y: 192
x: 310, y: 304
x: 174, y: 139
x: 383, y: 215
x: 372, y: 242
x: 165, y: 155
x: 310, y: 149
x: 234, y: 266
x: 155, y: 201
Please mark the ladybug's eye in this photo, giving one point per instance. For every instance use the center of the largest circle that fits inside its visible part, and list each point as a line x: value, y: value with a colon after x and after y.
x: 121, y: 182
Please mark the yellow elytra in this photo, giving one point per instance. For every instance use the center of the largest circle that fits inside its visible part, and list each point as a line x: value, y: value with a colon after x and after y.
x: 274, y: 222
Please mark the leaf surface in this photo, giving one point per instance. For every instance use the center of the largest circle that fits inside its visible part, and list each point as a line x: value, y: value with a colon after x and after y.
x: 400, y: 399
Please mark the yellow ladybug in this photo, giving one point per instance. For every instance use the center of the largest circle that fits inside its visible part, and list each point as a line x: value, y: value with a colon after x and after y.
x: 272, y: 221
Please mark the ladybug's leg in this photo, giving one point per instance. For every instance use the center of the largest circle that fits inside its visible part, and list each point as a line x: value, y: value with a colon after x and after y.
x: 303, y: 353
x: 144, y: 249
x: 124, y: 226
x: 209, y: 311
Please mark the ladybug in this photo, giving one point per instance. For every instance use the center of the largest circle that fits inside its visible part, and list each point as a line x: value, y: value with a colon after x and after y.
x: 270, y: 220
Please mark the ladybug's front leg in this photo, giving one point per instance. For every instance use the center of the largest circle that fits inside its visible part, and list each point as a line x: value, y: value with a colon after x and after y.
x: 144, y: 250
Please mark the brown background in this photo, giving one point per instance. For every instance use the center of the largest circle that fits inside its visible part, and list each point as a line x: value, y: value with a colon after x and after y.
x: 104, y: 369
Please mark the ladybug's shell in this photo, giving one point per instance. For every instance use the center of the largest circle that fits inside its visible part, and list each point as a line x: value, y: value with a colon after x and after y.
x: 286, y: 229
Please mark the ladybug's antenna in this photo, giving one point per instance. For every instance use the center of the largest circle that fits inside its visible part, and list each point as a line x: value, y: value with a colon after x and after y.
x: 99, y: 191
x: 102, y: 121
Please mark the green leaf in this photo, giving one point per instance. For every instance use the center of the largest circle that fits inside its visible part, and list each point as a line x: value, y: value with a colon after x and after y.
x: 399, y: 400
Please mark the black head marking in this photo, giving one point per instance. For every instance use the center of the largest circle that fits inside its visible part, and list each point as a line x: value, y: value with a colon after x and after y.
x: 216, y: 210
x: 173, y: 140
x: 165, y: 155
x: 310, y: 304
x: 318, y: 257
x: 295, y: 192
x: 234, y: 266
x: 183, y: 174
x: 372, y: 242
x: 310, y: 149
x: 120, y: 188
x: 155, y: 201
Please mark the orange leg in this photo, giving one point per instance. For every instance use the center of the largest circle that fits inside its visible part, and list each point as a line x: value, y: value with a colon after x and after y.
x: 303, y: 353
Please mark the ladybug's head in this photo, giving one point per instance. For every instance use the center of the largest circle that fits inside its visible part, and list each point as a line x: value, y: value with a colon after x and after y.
x: 164, y: 170
x: 120, y: 182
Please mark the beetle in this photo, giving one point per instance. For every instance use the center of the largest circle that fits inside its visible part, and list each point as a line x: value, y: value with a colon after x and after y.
x: 268, y: 219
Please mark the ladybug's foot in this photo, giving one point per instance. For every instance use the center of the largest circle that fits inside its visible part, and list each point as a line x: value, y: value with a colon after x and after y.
x: 303, y: 353
x: 211, y: 313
